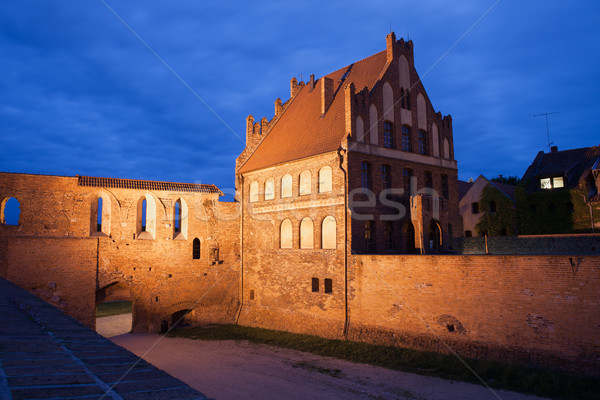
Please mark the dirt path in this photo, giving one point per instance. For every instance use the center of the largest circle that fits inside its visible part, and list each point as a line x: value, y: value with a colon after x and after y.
x: 226, y: 370
x: 113, y: 325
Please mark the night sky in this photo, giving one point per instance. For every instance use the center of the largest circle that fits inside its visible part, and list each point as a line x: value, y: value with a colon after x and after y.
x: 81, y: 94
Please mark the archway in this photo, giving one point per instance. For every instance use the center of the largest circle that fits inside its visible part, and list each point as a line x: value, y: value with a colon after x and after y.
x: 114, y: 310
x: 435, y: 237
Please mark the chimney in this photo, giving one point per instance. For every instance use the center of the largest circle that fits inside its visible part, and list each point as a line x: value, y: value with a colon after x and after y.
x: 293, y: 86
x: 278, y: 107
x: 554, y: 149
x: 390, y: 44
x: 257, y: 128
x: 326, y: 94
x: 311, y: 83
x: 249, y: 128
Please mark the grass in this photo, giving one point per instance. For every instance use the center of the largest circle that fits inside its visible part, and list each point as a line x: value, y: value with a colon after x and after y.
x: 514, y: 377
x: 113, y: 308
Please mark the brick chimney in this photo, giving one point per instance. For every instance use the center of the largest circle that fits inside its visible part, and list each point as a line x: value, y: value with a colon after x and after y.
x: 390, y: 45
x: 293, y: 86
x: 326, y: 94
x: 554, y: 149
x: 311, y: 83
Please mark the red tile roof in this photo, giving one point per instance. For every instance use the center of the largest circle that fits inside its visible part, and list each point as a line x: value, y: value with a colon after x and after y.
x: 302, y: 131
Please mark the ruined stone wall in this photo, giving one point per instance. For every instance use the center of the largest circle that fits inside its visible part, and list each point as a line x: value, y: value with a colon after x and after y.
x: 277, y: 283
x: 57, y: 243
x: 538, y: 309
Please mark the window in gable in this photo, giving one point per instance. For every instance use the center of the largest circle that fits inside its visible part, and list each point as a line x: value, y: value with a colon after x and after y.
x: 305, y: 183
x: 286, y: 186
x: 325, y: 179
x: 270, y: 189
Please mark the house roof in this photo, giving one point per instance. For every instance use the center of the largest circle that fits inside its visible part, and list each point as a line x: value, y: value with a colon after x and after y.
x: 302, y: 131
x: 507, y: 188
x: 570, y: 164
x: 463, y: 188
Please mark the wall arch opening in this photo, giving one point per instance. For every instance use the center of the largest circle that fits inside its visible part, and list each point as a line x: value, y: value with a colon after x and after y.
x: 10, y: 211
x: 114, y: 310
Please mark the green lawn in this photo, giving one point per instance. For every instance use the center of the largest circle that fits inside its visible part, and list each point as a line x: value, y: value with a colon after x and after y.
x: 496, y: 374
x: 113, y: 308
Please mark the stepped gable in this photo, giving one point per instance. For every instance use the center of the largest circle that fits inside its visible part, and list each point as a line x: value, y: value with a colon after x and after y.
x: 303, y: 131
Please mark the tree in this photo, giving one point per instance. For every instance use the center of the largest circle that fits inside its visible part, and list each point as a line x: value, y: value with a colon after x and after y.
x: 511, y: 180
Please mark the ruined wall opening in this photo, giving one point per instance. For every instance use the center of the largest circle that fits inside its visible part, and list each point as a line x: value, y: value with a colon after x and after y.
x: 114, y: 310
x: 146, y: 217
x: 196, y: 249
x: 180, y: 220
x: 100, y: 215
x: 435, y: 236
x: 179, y: 319
x: 10, y: 211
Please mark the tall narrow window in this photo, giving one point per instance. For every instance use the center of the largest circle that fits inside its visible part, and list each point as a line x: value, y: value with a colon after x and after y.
x: 445, y: 190
x: 144, y: 210
x: 286, y: 186
x: 410, y: 238
x: 402, y: 99
x: 423, y: 142
x: 328, y: 233
x: 388, y: 135
x: 11, y: 210
x: 177, y: 221
x: 406, y: 138
x: 307, y: 234
x: 428, y: 180
x: 407, y: 174
x: 305, y: 183
x: 365, y: 175
x: 315, y: 284
x: 99, y: 213
x: 475, y: 208
x: 325, y: 179
x: 492, y: 206
x: 370, y: 236
x: 196, y: 249
x: 285, y: 235
x: 408, y: 100
x: 386, y: 176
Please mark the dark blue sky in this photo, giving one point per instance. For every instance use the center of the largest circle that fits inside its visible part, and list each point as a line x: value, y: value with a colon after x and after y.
x: 80, y: 94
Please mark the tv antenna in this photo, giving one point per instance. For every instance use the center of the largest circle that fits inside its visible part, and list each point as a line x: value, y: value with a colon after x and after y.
x: 547, y: 130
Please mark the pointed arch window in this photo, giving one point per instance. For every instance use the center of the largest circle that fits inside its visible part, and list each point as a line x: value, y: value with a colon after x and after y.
x: 11, y: 211
x: 146, y: 217
x: 177, y: 219
x: 99, y: 215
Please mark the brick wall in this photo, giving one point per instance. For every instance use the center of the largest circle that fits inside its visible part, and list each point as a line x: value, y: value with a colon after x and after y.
x: 586, y: 244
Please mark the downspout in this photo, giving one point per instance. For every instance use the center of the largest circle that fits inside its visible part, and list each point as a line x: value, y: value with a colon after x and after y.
x: 237, y: 318
x: 341, y: 152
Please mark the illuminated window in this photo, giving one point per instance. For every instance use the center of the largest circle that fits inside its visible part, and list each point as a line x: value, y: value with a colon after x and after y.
x: 552, y: 183
x: 285, y: 235
x: 558, y: 182
x: 305, y: 183
x: 388, y: 135
x: 545, y: 183
x: 325, y: 179
x: 406, y: 139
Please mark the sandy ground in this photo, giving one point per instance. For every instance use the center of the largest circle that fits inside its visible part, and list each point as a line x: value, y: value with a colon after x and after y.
x: 113, y: 325
x: 235, y: 370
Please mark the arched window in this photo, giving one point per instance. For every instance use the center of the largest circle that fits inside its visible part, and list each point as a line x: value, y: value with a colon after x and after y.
x: 360, y: 129
x: 270, y: 189
x: 144, y: 214
x: 328, y: 233
x: 146, y: 217
x: 325, y: 179
x: 388, y: 102
x: 421, y: 112
x: 373, y: 126
x: 435, y: 140
x: 285, y: 235
x: 305, y: 183
x: 11, y: 211
x: 404, y: 72
x: 445, y: 188
x: 196, y: 249
x: 446, y: 148
x: 307, y: 234
x: 254, y: 191
x: 99, y: 214
x: 286, y: 186
x: 177, y: 218
x: 406, y: 138
x: 435, y: 236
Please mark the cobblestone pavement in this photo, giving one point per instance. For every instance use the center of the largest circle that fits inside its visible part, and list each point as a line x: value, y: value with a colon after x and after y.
x: 45, y: 354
